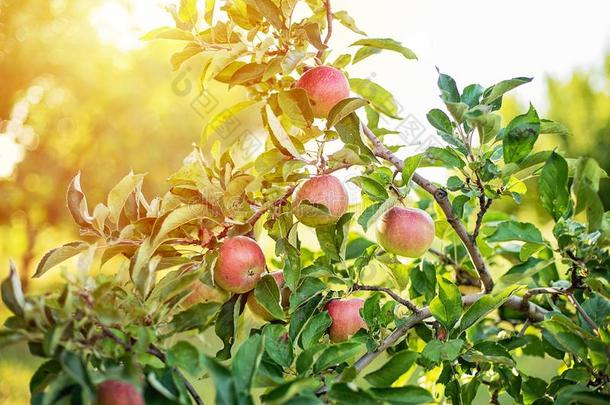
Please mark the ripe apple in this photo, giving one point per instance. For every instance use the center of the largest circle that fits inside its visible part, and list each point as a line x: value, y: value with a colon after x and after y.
x: 201, y: 292
x: 258, y: 309
x: 325, y: 87
x: 407, y: 232
x: 325, y: 190
x: 240, y: 265
x: 117, y: 392
x: 346, y: 319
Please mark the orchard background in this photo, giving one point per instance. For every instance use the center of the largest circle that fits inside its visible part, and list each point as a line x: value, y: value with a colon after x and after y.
x: 81, y: 93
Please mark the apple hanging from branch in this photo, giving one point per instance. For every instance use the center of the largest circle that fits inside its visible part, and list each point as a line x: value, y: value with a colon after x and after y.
x: 407, y: 232
x: 240, y: 265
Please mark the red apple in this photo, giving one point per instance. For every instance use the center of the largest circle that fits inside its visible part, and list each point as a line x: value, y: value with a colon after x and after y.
x: 407, y: 232
x: 117, y: 392
x: 325, y: 87
x: 325, y: 190
x: 201, y: 292
x: 240, y: 265
x: 258, y: 309
x: 346, y: 319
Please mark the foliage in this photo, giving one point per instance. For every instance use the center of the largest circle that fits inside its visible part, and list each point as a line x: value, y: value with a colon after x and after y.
x: 134, y: 324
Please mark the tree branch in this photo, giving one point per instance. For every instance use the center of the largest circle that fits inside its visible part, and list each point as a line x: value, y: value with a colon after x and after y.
x: 441, y: 197
x: 534, y: 312
x: 391, y: 293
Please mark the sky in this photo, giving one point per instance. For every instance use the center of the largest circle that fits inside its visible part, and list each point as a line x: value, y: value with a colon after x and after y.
x: 479, y: 41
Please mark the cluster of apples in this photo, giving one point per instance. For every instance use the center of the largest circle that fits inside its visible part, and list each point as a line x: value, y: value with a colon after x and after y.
x: 403, y: 231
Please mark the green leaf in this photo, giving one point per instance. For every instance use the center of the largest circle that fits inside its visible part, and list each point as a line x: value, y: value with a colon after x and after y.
x: 271, y: 12
x: 188, y: 11
x: 315, y: 329
x: 12, y: 294
x: 58, y: 255
x: 364, y: 53
x: 446, y: 307
x: 226, y: 325
x: 217, y: 125
x: 346, y: 20
x: 168, y: 33
x: 410, y: 165
x: 370, y: 215
x: 292, y: 262
x: 496, y: 91
x: 407, y: 395
x: 223, y: 382
x: 471, y: 94
x: 520, y: 136
x: 199, y: 316
x: 446, y: 156
x: 209, y: 11
x: 245, y: 363
x: 178, y: 58
x: 295, y: 105
x: 449, y: 90
x: 248, y: 74
x: 292, y: 390
x: 336, y: 354
x: 552, y: 127
x: 344, y: 393
x: 278, y: 133
x: 523, y: 270
x: 278, y: 344
x: 342, y: 109
x: 77, y: 203
x: 388, y: 44
x: 381, y: 99
x: 585, y: 187
x: 439, y: 120
x: 119, y: 194
x: 350, y: 132
x: 46, y: 373
x: 184, y: 356
x: 300, y: 317
x: 371, y: 187
x: 512, y: 230
x: 483, y: 307
x: 553, y: 186
x: 436, y: 350
x: 391, y: 371
x: 267, y: 294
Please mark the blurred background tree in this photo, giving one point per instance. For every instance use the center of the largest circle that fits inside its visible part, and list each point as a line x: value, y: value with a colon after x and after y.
x: 69, y: 102
x: 582, y: 103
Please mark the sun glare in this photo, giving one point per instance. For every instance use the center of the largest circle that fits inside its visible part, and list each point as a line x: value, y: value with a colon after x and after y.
x: 122, y: 23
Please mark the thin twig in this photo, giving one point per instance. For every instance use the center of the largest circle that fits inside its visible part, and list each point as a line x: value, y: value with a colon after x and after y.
x: 391, y: 293
x: 277, y: 203
x: 329, y: 28
x: 583, y: 313
x: 526, y: 325
x: 484, y: 203
x: 542, y: 290
x: 441, y: 197
x: 446, y: 259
